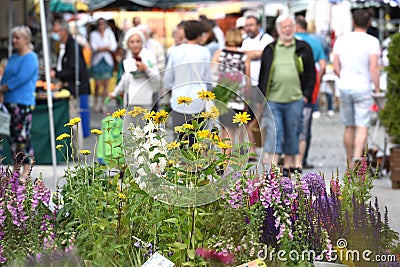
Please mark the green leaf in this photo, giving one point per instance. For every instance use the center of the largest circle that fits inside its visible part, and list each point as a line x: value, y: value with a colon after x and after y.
x: 188, y: 263
x: 172, y: 220
x: 179, y: 245
x: 191, y: 254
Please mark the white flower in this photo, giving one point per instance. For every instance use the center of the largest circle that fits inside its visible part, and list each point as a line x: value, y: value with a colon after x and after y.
x: 141, y: 160
x: 154, y: 167
x: 153, y: 153
x: 142, y: 185
x: 149, y: 127
x: 137, y: 132
x: 163, y: 142
x: 151, y: 135
x: 162, y: 163
x: 146, y: 146
x: 141, y: 172
x: 136, y: 153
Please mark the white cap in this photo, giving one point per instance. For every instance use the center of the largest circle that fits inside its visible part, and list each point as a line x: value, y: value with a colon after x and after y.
x: 240, y: 22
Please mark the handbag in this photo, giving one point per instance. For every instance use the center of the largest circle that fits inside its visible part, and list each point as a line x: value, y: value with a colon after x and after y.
x: 5, y: 120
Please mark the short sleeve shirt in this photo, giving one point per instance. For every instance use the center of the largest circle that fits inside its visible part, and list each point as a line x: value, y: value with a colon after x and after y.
x: 354, y: 49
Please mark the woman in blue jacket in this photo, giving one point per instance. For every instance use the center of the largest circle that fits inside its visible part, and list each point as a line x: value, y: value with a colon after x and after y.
x: 17, y: 91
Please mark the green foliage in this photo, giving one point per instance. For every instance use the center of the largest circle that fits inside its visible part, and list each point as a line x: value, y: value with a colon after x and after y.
x: 113, y: 221
x: 109, y: 216
x: 26, y: 220
x: 389, y: 115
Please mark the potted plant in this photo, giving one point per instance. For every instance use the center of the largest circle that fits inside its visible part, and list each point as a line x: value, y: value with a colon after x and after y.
x: 389, y: 114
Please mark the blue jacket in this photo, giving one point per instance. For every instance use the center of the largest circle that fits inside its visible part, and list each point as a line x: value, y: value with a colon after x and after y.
x: 21, y: 75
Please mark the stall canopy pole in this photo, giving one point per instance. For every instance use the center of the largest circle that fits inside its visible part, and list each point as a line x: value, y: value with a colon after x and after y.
x: 10, y: 26
x: 77, y: 80
x: 49, y: 93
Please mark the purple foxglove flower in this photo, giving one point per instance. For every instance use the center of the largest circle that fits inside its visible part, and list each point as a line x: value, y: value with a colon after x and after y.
x: 315, y: 182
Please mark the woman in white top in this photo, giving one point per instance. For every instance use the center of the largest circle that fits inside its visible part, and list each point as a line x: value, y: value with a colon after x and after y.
x: 103, y: 45
x: 141, y: 77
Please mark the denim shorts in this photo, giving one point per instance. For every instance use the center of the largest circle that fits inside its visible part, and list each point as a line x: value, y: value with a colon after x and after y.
x: 287, y: 120
x: 355, y: 107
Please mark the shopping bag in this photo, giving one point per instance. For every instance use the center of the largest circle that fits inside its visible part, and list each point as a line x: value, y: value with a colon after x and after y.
x: 5, y: 120
x: 109, y: 146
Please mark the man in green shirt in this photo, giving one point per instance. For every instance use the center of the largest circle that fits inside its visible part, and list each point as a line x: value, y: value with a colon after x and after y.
x: 287, y: 78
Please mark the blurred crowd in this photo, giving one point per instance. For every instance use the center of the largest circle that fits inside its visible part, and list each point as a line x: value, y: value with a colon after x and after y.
x: 281, y: 75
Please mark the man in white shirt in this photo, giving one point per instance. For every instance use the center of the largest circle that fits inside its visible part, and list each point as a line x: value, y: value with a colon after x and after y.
x: 356, y: 64
x: 187, y: 73
x: 255, y: 41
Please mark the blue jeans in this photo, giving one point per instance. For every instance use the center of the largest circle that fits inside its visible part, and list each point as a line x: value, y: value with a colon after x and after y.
x: 287, y: 119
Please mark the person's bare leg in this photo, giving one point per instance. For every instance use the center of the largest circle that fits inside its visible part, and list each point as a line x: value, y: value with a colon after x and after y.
x: 105, y: 93
x: 348, y: 140
x: 96, y: 96
x: 26, y: 170
x: 290, y: 161
x: 270, y: 159
x: 300, y: 156
x: 360, y: 140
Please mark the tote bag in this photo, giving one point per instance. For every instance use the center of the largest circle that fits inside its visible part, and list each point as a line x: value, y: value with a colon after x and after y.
x: 5, y: 120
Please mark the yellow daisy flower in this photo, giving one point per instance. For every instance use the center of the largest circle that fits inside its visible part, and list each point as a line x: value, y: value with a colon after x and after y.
x: 203, y: 133
x: 205, y: 114
x: 184, y: 100
x: 68, y: 124
x: 75, y: 120
x: 187, y: 126
x: 59, y: 147
x: 85, y: 152
x: 215, y: 111
x: 171, y: 162
x: 206, y: 95
x: 241, y: 118
x: 179, y: 129
x: 149, y: 115
x: 137, y: 111
x: 172, y: 145
x: 96, y: 131
x: 119, y: 113
x: 224, y: 145
x: 161, y: 117
x: 198, y: 146
x: 215, y: 137
x: 62, y: 136
x: 121, y: 196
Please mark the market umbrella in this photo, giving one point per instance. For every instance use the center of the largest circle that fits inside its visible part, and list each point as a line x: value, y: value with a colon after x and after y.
x: 62, y: 6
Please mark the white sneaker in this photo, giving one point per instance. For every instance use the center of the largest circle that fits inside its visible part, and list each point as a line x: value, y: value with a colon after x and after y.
x: 331, y: 113
x: 316, y: 114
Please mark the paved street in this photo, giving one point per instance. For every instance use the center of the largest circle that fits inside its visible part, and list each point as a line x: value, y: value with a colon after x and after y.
x: 327, y: 154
